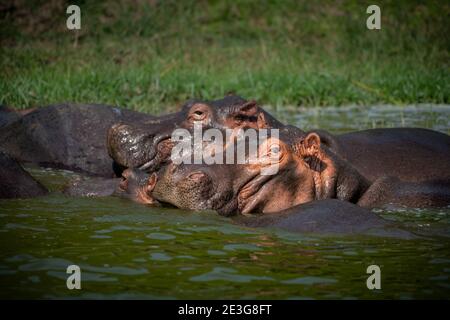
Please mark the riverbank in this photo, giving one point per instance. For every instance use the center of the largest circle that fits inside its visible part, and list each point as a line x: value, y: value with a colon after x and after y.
x: 153, y: 56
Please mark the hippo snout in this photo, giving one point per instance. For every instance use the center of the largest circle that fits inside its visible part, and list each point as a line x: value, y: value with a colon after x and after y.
x: 129, y: 146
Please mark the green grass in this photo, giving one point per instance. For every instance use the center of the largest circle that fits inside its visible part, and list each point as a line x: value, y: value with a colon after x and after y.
x: 152, y: 55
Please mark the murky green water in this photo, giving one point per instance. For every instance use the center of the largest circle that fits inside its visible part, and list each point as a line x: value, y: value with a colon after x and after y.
x: 126, y: 250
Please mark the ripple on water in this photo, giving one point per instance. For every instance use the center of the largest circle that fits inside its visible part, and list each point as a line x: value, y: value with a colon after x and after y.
x: 121, y: 227
x: 46, y: 264
x: 216, y: 253
x: 26, y: 227
x: 160, y: 256
x: 100, y: 236
x: 309, y: 281
x: 160, y: 236
x: 241, y: 246
x: 86, y: 276
x: 227, y: 274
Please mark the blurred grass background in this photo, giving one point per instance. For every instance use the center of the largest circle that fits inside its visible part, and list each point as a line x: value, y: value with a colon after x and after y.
x: 152, y: 55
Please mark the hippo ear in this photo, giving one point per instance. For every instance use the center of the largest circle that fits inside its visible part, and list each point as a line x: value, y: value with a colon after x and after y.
x: 261, y: 122
x: 151, y: 182
x: 311, y: 144
x: 248, y: 109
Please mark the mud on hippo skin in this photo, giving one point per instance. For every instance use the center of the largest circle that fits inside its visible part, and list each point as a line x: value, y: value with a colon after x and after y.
x: 67, y: 136
x: 15, y: 182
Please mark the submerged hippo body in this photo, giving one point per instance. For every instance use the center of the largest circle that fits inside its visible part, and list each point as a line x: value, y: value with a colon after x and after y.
x: 132, y: 186
x: 92, y: 187
x: 67, y: 136
x: 15, y: 182
x: 328, y: 216
x: 410, y: 154
x: 193, y: 189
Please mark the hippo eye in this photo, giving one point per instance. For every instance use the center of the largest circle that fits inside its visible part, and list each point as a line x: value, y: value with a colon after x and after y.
x: 275, y: 152
x: 198, y: 115
x: 275, y: 149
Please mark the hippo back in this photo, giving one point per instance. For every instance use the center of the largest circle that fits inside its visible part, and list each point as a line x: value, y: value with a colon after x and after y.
x: 410, y: 154
x: 15, y: 182
x: 68, y: 136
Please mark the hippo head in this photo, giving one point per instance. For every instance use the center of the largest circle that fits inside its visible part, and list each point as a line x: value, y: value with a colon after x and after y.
x: 137, y: 186
x: 241, y: 188
x: 146, y: 146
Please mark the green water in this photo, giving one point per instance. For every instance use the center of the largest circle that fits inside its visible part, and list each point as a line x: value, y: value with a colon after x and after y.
x: 127, y: 250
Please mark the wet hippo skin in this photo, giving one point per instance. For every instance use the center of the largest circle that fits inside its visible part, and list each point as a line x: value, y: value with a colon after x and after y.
x: 145, y: 145
x: 7, y: 116
x: 15, y: 182
x: 67, y: 136
x: 306, y: 170
x: 410, y: 154
x: 328, y: 216
x: 91, y: 187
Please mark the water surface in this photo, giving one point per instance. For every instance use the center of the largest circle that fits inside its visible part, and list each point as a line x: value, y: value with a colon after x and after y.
x: 127, y: 250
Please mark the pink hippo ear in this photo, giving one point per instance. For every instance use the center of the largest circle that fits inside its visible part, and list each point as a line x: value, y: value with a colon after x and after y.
x: 151, y: 183
x: 311, y: 144
x: 245, y: 115
x: 261, y: 122
x: 249, y: 109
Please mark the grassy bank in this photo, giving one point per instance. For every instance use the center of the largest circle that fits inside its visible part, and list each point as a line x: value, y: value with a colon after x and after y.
x: 152, y: 55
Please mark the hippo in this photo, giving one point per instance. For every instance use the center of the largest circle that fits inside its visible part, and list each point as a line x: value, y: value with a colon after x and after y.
x: 325, y: 217
x: 403, y: 153
x: 66, y: 136
x: 7, y: 116
x: 134, y: 185
x: 329, y: 216
x: 15, y: 182
x: 91, y: 187
x: 409, y: 154
x: 306, y: 171
x: 147, y: 145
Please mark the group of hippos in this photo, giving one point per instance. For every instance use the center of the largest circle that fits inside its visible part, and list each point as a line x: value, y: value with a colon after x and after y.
x: 324, y: 183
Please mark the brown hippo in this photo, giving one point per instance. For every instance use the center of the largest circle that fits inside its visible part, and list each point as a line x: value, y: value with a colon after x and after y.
x: 7, y: 116
x: 147, y: 145
x: 404, y: 153
x: 15, y: 182
x: 68, y: 136
x: 133, y: 185
x: 306, y: 171
x: 410, y: 154
x: 197, y: 192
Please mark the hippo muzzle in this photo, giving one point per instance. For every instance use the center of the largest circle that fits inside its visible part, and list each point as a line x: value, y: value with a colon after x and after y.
x: 143, y: 147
